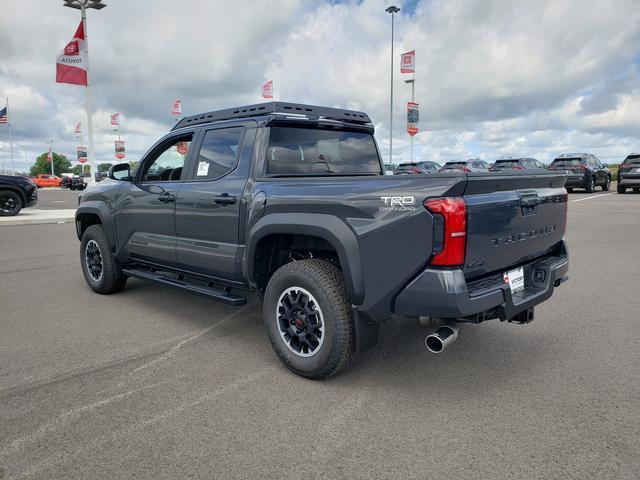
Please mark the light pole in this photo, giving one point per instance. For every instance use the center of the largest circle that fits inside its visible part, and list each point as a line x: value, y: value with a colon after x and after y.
x: 82, y: 5
x: 392, y: 10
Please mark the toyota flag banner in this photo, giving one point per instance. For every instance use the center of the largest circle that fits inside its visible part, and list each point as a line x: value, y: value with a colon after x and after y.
x: 82, y: 154
x: 78, y: 129
x: 120, y: 149
x: 176, y: 108
x: 413, y: 117
x: 115, y: 119
x: 408, y: 62
x: 267, y: 89
x: 71, y: 64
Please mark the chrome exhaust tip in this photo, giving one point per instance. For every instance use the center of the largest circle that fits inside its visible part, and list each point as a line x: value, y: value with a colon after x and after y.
x: 444, y: 336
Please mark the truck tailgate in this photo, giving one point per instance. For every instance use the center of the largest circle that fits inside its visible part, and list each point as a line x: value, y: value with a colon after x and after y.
x: 512, y: 217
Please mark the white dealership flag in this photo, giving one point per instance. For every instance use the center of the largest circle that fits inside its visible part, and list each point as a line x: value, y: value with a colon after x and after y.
x: 267, y: 89
x: 78, y: 128
x: 176, y: 107
x: 408, y: 62
x: 71, y: 64
x: 115, y: 119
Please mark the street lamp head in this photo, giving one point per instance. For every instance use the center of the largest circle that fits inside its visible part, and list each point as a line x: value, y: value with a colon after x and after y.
x: 77, y: 4
x: 392, y: 9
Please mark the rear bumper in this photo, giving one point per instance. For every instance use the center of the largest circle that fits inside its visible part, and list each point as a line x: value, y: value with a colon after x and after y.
x: 629, y: 181
x: 447, y: 294
x: 576, y: 181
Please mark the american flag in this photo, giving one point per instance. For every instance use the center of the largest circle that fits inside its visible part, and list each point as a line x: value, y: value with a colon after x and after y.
x: 4, y: 118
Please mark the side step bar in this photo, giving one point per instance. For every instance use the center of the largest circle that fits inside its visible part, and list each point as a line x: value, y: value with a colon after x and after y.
x: 179, y: 282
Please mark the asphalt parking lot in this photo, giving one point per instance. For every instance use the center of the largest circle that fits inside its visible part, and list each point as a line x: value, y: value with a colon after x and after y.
x: 57, y: 199
x: 155, y: 383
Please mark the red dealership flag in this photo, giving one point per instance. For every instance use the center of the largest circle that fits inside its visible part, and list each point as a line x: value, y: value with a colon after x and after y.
x: 408, y: 62
x: 78, y: 128
x: 267, y: 89
x: 176, y: 107
x: 49, y: 155
x: 115, y: 119
x: 71, y: 64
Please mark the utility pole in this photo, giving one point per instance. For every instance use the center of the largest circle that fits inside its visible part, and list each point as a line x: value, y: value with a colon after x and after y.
x: 392, y: 10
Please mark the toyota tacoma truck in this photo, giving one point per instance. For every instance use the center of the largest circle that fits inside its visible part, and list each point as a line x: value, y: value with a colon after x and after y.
x: 291, y: 201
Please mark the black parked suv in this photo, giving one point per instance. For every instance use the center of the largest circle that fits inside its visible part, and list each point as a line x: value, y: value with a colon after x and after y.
x: 417, y: 168
x: 629, y: 173
x: 516, y: 164
x: 291, y: 201
x: 16, y: 193
x: 585, y: 171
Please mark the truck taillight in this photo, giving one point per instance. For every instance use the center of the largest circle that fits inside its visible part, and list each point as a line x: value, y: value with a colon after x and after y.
x: 454, y: 213
x: 519, y: 167
x: 467, y: 169
x: 624, y: 165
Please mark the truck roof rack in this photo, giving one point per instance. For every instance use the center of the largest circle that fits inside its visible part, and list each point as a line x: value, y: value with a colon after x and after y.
x: 286, y: 108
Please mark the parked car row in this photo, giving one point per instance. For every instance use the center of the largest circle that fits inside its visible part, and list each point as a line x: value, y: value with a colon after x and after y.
x: 584, y: 170
x: 629, y: 173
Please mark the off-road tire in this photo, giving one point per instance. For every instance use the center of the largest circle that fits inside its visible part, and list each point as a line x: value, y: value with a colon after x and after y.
x: 325, y: 282
x: 14, y: 203
x: 622, y: 189
x: 569, y: 189
x: 607, y: 184
x: 112, y: 279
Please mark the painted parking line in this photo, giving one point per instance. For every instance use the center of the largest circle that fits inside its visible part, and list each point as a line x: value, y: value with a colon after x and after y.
x: 593, y: 196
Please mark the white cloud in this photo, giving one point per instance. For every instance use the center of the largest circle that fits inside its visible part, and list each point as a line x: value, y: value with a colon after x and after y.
x: 494, y: 78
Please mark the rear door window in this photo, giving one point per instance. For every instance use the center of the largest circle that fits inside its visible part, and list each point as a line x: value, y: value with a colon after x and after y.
x: 218, y: 153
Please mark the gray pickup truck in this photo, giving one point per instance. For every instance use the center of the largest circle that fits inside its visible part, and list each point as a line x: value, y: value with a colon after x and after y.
x: 291, y: 201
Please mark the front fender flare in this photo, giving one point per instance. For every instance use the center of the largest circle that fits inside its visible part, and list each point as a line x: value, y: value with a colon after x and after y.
x: 104, y: 213
x: 328, y: 227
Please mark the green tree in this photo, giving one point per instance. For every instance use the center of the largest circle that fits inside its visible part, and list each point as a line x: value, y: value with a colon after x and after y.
x: 104, y: 167
x: 60, y: 164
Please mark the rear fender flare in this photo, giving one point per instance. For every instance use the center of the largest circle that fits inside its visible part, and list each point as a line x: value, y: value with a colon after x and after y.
x: 328, y: 227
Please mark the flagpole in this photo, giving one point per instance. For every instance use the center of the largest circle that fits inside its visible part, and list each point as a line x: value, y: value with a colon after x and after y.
x: 13, y: 170
x: 92, y: 165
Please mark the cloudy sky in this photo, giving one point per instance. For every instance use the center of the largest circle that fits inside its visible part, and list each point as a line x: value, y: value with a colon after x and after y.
x: 494, y: 78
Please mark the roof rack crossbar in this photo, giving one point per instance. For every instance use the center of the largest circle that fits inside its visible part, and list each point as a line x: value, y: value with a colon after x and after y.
x: 351, y: 116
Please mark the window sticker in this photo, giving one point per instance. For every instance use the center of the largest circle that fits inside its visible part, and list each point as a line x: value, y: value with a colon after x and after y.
x: 203, y: 169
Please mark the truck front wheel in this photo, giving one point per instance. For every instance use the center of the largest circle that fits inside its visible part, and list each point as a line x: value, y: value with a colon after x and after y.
x: 308, y: 318
x: 101, y: 270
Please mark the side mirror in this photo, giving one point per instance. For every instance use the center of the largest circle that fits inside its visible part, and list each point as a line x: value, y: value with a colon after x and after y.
x: 120, y: 171
x: 605, y: 165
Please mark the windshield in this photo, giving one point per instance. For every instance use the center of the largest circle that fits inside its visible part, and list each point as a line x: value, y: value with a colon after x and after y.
x: 506, y: 163
x: 307, y: 151
x: 454, y: 165
x: 430, y: 165
x: 566, y: 162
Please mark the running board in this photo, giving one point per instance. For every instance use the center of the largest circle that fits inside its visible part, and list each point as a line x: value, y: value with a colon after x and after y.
x: 179, y: 282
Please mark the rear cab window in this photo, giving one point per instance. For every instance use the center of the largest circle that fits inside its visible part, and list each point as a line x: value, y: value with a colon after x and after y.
x: 633, y: 159
x: 299, y: 151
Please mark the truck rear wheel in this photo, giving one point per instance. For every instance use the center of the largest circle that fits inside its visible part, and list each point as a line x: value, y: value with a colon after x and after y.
x: 307, y: 315
x: 101, y: 270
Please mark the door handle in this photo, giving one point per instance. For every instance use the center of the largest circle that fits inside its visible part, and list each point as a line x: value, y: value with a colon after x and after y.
x: 167, y: 197
x: 224, y: 199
